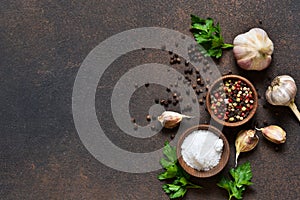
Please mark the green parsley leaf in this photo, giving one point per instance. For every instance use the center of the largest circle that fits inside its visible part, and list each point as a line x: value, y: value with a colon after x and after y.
x: 208, y: 36
x: 180, y: 193
x: 165, y: 163
x: 166, y: 188
x: 183, y: 181
x: 242, y: 174
x: 170, y: 153
x: 173, y: 170
x: 242, y: 177
x: 236, y: 192
x: 170, y: 173
x: 225, y: 183
x: 173, y: 187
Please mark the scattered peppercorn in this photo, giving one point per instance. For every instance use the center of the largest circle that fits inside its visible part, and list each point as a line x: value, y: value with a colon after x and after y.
x: 172, y: 61
x: 133, y: 120
x: 166, y: 104
x: 187, y: 78
x: 198, y: 81
x: 186, y: 63
x: 148, y: 117
x: 175, y: 102
x: 201, y: 101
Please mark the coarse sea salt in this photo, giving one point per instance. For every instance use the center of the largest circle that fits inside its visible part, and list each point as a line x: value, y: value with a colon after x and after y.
x: 202, y: 150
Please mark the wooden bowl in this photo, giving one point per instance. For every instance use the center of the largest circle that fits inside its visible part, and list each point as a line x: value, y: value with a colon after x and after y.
x: 223, y: 122
x: 223, y: 160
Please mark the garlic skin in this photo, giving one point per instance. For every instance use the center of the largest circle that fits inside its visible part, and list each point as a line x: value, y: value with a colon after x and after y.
x: 253, y: 49
x: 245, y: 141
x: 282, y: 92
x: 274, y: 134
x: 170, y: 119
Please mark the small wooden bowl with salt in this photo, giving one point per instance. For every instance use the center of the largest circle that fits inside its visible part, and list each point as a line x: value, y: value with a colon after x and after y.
x: 203, y: 151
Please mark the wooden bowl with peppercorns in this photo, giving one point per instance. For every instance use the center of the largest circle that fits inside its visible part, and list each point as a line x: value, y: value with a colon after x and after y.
x: 232, y: 100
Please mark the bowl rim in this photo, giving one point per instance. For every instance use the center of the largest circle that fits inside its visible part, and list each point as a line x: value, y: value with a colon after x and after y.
x: 252, y: 112
x: 223, y: 160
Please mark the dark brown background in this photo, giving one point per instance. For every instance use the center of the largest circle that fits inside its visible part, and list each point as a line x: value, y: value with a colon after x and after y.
x: 43, y: 44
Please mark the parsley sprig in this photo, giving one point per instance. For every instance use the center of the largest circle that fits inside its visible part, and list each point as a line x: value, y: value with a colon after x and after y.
x: 242, y: 177
x: 208, y: 36
x: 174, y: 171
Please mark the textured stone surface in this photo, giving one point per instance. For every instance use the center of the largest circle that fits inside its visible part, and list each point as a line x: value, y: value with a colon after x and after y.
x: 43, y: 44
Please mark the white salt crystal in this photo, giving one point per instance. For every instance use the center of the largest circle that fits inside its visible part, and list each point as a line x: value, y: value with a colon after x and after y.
x: 202, y: 150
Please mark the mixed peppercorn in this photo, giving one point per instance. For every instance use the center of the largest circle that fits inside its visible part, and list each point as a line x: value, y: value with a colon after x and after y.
x: 232, y: 100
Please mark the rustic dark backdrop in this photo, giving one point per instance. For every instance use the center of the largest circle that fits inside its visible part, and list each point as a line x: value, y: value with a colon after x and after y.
x: 43, y: 44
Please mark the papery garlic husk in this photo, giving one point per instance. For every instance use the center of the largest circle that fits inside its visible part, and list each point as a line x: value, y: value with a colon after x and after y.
x: 282, y: 92
x: 253, y: 49
x: 274, y: 134
x: 245, y: 141
x: 170, y: 119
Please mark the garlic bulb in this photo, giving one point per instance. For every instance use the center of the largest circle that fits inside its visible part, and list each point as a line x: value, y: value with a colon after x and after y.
x: 253, y: 49
x: 245, y: 141
x: 274, y: 134
x: 170, y: 119
x: 282, y: 92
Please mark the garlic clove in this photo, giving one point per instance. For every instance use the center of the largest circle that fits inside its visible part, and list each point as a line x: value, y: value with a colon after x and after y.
x: 170, y: 119
x: 274, y: 134
x: 245, y: 141
x: 282, y: 90
x: 253, y: 49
